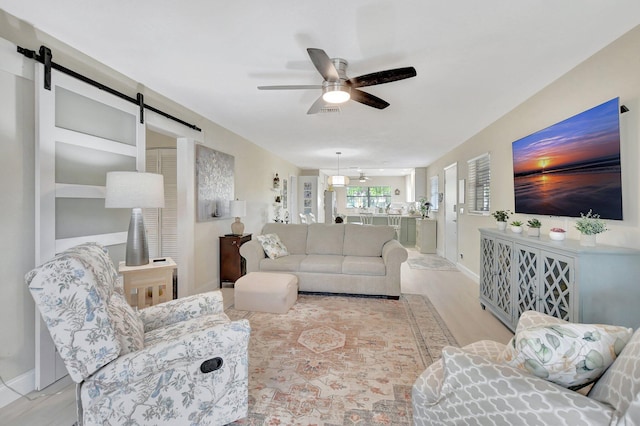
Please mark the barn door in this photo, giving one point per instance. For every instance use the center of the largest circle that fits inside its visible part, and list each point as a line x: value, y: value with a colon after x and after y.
x: 81, y: 134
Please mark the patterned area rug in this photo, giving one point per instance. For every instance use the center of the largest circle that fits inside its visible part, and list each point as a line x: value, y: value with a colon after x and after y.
x: 432, y: 262
x: 334, y: 360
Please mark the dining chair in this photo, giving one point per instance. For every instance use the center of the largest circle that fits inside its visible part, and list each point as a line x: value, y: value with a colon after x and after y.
x: 395, y: 221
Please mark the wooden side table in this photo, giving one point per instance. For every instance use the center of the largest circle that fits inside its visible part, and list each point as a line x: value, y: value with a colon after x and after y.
x: 153, y: 282
x: 232, y: 265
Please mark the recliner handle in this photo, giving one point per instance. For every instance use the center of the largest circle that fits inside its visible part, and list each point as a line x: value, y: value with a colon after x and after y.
x: 210, y: 365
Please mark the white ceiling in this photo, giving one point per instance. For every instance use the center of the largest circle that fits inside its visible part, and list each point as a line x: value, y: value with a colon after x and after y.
x: 475, y: 61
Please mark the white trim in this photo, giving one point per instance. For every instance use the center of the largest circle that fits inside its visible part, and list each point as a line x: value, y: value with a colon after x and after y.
x: 468, y: 272
x: 68, y: 190
x: 13, y: 62
x: 478, y: 156
x: 94, y: 142
x: 24, y: 384
x: 104, y: 239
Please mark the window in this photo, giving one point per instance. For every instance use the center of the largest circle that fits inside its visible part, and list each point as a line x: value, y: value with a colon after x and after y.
x: 478, y: 189
x: 433, y: 194
x: 368, y: 196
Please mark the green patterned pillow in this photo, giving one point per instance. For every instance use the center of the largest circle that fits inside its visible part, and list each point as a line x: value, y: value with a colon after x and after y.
x: 570, y: 355
x: 272, y: 246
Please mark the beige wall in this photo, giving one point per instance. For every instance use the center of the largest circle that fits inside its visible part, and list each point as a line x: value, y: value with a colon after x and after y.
x: 612, y: 72
x: 254, y: 171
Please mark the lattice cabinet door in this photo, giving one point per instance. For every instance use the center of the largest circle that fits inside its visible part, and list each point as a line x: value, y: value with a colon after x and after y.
x: 557, y: 295
x: 487, y: 269
x: 503, y: 279
x: 527, y: 261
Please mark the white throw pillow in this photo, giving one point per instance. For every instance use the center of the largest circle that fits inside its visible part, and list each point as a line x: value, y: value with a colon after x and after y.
x: 570, y: 355
x: 272, y: 246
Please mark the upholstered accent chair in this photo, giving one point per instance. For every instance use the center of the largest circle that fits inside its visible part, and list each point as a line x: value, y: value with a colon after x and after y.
x: 475, y: 385
x: 177, y: 363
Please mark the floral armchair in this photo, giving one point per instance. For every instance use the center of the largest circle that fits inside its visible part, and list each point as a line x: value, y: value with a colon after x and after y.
x: 486, y: 383
x: 179, y: 362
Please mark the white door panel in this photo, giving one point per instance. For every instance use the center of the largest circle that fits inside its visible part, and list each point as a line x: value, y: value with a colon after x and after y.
x: 81, y: 134
x: 450, y: 212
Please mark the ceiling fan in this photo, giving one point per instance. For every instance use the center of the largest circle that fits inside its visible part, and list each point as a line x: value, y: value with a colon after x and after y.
x: 363, y: 178
x: 338, y: 88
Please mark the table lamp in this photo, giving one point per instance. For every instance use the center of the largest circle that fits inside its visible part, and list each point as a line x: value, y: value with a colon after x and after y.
x: 135, y: 191
x: 238, y: 209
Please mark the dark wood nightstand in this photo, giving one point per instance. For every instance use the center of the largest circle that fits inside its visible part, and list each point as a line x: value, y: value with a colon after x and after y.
x: 232, y: 265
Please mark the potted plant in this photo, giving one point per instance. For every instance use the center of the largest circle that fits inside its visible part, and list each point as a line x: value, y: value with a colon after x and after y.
x: 516, y: 226
x: 557, y: 234
x: 425, y: 206
x: 589, y: 226
x: 534, y: 227
x: 501, y: 217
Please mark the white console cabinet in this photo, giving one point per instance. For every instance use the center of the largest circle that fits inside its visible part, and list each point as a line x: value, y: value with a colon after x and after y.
x: 426, y: 235
x: 561, y: 278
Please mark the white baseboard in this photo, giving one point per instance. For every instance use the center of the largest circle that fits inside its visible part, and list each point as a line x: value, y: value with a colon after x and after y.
x: 24, y: 384
x: 469, y: 273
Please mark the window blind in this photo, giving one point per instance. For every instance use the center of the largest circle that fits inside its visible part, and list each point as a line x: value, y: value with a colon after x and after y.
x: 433, y: 193
x: 479, y: 186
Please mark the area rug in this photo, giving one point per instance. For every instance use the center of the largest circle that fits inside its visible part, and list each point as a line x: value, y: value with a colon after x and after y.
x: 432, y: 262
x: 334, y: 360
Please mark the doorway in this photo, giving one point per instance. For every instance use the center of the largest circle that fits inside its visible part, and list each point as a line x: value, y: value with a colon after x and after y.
x: 451, y: 213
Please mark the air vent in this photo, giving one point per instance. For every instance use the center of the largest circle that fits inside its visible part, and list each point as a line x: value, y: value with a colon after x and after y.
x: 327, y: 109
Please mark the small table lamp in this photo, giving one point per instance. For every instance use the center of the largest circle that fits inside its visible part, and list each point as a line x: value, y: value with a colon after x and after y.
x: 237, y: 208
x: 135, y: 191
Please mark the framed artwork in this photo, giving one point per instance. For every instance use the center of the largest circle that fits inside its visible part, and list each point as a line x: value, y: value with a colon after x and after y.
x: 214, y: 183
x: 284, y: 194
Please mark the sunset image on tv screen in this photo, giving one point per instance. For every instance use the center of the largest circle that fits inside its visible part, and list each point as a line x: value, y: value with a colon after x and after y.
x: 571, y: 167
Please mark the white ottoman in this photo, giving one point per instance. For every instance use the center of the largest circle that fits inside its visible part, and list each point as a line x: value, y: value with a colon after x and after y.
x: 266, y: 292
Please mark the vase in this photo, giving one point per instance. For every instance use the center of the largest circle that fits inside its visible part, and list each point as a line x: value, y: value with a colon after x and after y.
x: 516, y: 229
x: 556, y: 236
x: 534, y: 232
x: 502, y: 225
x: 588, y: 240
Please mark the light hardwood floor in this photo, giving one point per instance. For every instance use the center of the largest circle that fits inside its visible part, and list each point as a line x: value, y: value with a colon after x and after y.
x: 454, y: 295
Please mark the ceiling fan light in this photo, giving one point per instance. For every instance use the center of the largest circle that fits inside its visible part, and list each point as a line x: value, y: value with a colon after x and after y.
x: 336, y: 94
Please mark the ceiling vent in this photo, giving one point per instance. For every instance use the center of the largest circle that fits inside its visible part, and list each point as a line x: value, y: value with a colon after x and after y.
x: 328, y: 109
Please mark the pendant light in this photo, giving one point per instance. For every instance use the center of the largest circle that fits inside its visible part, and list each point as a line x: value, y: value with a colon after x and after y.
x: 338, y: 180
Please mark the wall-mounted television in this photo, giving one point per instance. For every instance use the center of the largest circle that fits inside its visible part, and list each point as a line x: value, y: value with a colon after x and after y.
x: 571, y: 167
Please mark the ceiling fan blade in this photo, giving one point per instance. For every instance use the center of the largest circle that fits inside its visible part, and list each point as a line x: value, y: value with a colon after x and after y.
x: 323, y: 64
x: 317, y: 106
x: 368, y: 99
x: 382, y: 77
x: 294, y: 87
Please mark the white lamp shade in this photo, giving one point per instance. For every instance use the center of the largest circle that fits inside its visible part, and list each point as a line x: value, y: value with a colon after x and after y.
x: 134, y: 190
x: 237, y: 208
x: 338, y: 180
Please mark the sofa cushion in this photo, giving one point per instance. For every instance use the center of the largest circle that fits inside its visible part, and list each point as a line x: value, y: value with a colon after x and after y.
x: 272, y: 246
x: 620, y: 384
x: 289, y: 263
x: 293, y: 236
x: 570, y: 355
x: 325, y: 263
x: 363, y: 265
x: 366, y: 240
x: 325, y: 238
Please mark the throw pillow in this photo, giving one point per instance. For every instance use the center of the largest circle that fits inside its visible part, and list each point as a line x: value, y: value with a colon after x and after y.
x: 126, y: 323
x: 272, y: 246
x: 570, y: 355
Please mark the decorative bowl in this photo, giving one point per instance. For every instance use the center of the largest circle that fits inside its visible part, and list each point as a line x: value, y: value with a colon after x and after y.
x: 557, y: 236
x: 516, y: 229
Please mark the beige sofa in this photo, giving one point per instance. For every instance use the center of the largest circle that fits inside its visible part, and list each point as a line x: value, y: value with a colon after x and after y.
x: 334, y: 258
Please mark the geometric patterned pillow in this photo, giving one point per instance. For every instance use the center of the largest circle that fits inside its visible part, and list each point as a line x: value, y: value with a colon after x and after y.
x: 272, y: 246
x: 128, y: 326
x: 570, y: 355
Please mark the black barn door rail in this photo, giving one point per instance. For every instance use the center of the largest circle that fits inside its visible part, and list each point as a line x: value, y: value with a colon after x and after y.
x: 44, y: 56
